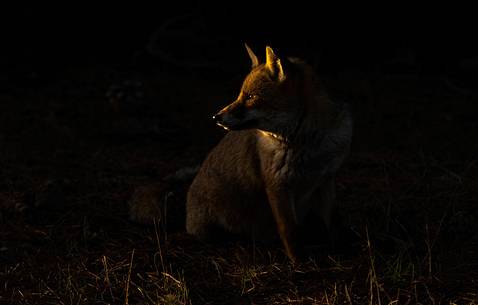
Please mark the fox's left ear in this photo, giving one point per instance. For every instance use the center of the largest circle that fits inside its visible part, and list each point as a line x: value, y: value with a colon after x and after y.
x: 252, y: 56
x: 273, y: 64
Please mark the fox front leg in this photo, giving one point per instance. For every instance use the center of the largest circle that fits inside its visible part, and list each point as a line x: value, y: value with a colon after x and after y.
x: 283, y: 212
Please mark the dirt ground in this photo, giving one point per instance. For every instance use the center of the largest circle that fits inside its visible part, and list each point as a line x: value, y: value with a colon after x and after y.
x: 74, y: 146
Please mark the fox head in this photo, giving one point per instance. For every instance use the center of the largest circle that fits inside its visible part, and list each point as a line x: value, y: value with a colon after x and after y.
x: 271, y: 96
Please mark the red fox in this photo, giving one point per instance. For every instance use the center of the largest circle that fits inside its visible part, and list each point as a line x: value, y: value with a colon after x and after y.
x: 278, y: 161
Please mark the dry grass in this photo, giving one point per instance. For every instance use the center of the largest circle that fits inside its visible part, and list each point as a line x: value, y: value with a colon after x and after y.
x: 70, y: 161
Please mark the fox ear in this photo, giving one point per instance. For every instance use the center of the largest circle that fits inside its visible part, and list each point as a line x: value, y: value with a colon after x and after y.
x: 255, y: 61
x: 274, y: 65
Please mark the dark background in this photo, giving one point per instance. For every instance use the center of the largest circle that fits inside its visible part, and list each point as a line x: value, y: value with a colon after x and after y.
x: 51, y: 36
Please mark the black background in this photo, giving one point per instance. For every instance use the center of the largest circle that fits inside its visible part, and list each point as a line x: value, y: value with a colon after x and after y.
x: 54, y: 35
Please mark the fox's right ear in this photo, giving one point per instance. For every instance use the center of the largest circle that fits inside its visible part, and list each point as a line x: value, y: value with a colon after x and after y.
x: 255, y: 61
x: 274, y: 65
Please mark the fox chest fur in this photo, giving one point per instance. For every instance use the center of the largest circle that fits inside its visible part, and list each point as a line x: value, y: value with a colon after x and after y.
x: 303, y: 166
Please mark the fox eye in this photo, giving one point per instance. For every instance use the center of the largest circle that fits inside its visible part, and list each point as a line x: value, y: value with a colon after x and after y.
x: 250, y: 96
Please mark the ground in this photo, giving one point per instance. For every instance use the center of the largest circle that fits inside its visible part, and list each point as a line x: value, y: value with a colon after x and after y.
x: 75, y: 145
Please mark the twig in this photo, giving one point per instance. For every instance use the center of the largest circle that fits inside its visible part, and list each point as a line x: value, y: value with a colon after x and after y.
x: 126, y: 302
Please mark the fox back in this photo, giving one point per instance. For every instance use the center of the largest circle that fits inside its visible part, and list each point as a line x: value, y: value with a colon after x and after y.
x: 278, y: 161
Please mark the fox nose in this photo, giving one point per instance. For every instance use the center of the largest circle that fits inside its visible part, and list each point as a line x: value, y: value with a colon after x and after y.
x: 217, y: 118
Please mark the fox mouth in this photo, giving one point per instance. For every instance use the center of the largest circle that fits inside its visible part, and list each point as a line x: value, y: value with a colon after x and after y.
x: 249, y: 124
